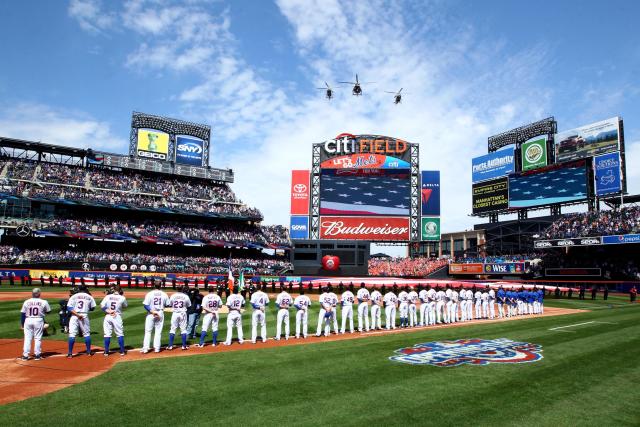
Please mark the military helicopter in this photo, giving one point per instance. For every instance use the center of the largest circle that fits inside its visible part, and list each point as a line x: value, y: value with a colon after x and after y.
x: 397, y: 96
x: 328, y: 90
x: 357, y: 88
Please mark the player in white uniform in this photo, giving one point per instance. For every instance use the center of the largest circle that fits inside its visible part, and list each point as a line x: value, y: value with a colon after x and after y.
x: 363, y: 297
x: 334, y: 316
x: 485, y: 304
x: 112, y: 305
x: 413, y: 313
x: 424, y: 305
x: 211, y: 304
x: 302, y: 304
x: 283, y: 302
x: 455, y: 300
x: 390, y: 302
x: 447, y: 304
x: 431, y: 305
x: 463, y: 304
x: 469, y: 304
x: 491, y: 301
x: 155, y: 303
x: 347, y: 299
x: 235, y: 302
x: 325, y: 314
x: 403, y: 307
x: 441, y: 297
x: 376, y: 309
x: 478, y: 303
x: 180, y: 303
x: 79, y: 306
x: 32, y: 323
x: 259, y: 301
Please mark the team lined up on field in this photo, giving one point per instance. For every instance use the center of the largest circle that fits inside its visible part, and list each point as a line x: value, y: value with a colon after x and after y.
x: 434, y: 305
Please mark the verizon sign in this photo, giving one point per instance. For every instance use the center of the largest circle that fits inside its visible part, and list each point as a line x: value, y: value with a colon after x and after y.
x: 364, y: 228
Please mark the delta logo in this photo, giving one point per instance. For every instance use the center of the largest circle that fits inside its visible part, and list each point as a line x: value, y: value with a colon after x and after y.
x: 472, y: 351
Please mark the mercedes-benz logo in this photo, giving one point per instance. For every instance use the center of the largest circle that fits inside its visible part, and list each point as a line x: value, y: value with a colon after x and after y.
x: 23, y: 230
x: 86, y: 266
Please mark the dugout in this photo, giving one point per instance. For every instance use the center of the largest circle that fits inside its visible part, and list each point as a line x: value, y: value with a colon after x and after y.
x: 306, y: 257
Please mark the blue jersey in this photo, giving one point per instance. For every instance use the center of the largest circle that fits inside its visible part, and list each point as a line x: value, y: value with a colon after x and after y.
x: 540, y: 295
x: 501, y: 295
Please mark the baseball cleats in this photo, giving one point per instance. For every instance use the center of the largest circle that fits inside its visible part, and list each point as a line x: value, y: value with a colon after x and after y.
x: 170, y: 347
x: 69, y: 356
x: 105, y: 354
x: 25, y: 358
x: 123, y: 353
x: 144, y: 351
x: 185, y: 347
x: 89, y: 353
x: 38, y: 357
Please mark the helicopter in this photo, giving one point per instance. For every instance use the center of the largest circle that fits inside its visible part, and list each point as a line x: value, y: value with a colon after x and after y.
x: 328, y: 90
x: 357, y: 88
x: 397, y: 96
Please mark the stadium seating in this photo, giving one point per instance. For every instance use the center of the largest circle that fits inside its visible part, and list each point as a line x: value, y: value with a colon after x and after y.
x: 404, y: 267
x: 603, y: 223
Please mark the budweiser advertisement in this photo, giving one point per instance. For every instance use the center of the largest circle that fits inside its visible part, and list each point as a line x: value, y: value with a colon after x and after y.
x: 299, y: 192
x: 364, y: 228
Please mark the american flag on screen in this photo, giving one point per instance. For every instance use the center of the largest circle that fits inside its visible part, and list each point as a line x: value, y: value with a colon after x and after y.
x: 556, y: 186
x: 364, y: 195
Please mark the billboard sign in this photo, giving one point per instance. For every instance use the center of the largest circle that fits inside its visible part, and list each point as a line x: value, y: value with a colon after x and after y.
x: 607, y: 173
x: 430, y: 193
x: 365, y: 228
x: 465, y: 268
x: 189, y: 151
x: 558, y: 185
x: 534, y: 154
x: 299, y: 227
x: 300, y: 192
x: 506, y: 268
x: 586, y: 141
x: 490, y: 196
x: 492, y: 165
x: 365, y: 161
x: 564, y: 243
x: 430, y: 228
x: 152, y: 144
x: 346, y: 143
x: 622, y: 239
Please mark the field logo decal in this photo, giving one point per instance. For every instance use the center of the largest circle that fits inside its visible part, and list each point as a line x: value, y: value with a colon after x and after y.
x: 469, y: 351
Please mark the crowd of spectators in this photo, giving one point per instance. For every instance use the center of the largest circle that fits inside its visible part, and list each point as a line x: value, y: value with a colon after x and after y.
x: 404, y: 267
x: 127, y: 188
x: 602, y: 223
x: 8, y: 254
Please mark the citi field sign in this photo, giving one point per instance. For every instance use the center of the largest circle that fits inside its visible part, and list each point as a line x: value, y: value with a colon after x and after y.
x: 346, y: 143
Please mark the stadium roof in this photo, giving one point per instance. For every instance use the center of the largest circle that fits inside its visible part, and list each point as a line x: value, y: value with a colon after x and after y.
x: 622, y: 200
x: 40, y: 147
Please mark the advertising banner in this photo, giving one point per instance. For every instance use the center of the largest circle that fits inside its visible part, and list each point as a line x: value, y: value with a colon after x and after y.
x: 607, y: 173
x: 534, y: 154
x: 492, y: 165
x: 563, y: 243
x: 300, y: 192
x: 490, y: 196
x: 465, y: 268
x: 189, y: 151
x: 430, y: 227
x: 622, y: 239
x: 364, y: 228
x: 365, y: 161
x: 559, y: 185
x: 299, y: 228
x: 430, y: 192
x: 152, y: 144
x: 14, y: 273
x: 506, y: 268
x: 586, y: 141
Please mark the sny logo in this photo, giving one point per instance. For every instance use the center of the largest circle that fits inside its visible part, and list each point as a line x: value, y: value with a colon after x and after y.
x: 469, y: 351
x: 190, y: 148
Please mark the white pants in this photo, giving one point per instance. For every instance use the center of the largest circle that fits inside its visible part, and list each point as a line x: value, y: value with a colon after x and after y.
x: 463, y: 310
x: 478, y: 309
x: 453, y: 312
x: 404, y: 310
x: 152, y: 323
x: 363, y: 316
x: 76, y: 323
x: 33, y: 329
x: 440, y: 311
x: 485, y: 309
x: 210, y: 320
x: 302, y: 320
x: 530, y: 308
x: 324, y: 322
x: 234, y: 319
x: 376, y: 317
x: 112, y: 324
x: 492, y: 309
x: 431, y: 311
x: 347, y: 314
x: 469, y: 309
x: 283, y: 317
x: 258, y: 318
x: 334, y: 319
x: 413, y: 315
x: 500, y: 310
x: 423, y: 314
x: 390, y: 314
x: 447, y: 312
x: 178, y: 321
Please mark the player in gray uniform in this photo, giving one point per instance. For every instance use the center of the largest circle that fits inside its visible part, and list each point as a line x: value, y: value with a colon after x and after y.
x: 32, y: 323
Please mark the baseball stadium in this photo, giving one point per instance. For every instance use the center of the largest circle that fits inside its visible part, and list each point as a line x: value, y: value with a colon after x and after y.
x: 363, y: 278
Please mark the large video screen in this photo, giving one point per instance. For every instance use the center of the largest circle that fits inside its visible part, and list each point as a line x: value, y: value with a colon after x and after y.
x: 153, y: 144
x: 586, y: 141
x: 365, y: 192
x: 558, y: 185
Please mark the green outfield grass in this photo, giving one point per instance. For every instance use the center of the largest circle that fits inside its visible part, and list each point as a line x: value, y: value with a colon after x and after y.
x: 589, y: 375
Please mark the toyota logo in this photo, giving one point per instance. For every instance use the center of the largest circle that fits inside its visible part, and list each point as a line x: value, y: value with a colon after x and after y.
x: 300, y: 188
x: 23, y: 231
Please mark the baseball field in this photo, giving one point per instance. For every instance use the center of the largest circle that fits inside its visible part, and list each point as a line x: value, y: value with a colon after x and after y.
x: 589, y: 374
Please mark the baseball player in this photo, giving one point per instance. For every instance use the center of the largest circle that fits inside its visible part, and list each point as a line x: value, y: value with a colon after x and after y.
x: 478, y: 303
x: 326, y: 311
x: 390, y: 302
x: 347, y: 299
x: 463, y: 304
x: 455, y: 301
x: 541, y: 301
x: 211, y: 304
x: 32, y: 323
x: 235, y: 302
x: 302, y: 304
x: 283, y: 302
x: 440, y: 300
x: 485, y: 303
x: 413, y: 313
x: 112, y: 305
x: 154, y: 303
x: 469, y: 296
x: 180, y: 303
x: 363, y: 296
x: 492, y: 300
x: 79, y: 306
x: 376, y: 304
x: 424, y: 305
x: 403, y: 300
x: 259, y: 301
x: 530, y: 298
x: 334, y: 313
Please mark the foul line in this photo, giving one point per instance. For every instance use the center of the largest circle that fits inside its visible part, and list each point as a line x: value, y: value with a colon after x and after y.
x: 580, y: 324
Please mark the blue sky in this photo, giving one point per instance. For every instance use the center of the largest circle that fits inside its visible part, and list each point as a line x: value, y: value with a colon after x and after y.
x: 72, y: 72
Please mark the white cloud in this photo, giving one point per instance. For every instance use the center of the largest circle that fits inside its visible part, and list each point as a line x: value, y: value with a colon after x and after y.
x: 90, y: 15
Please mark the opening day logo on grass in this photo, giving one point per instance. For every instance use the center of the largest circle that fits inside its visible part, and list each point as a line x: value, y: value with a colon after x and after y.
x: 469, y: 351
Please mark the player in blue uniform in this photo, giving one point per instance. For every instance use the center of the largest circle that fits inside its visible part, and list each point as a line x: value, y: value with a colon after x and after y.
x: 501, y: 297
